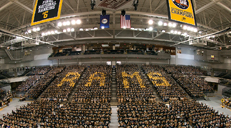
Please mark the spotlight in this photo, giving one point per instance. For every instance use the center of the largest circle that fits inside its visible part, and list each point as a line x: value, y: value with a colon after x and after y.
x: 160, y: 23
x: 195, y: 30
x: 60, y: 24
x: 102, y: 27
x: 38, y: 29
x: 72, y: 30
x: 68, y: 30
x: 150, y: 22
x: 29, y: 31
x: 150, y: 28
x: 68, y: 23
x: 64, y: 30
x: 80, y: 29
x: 123, y: 12
x: 34, y: 29
x: 103, y: 12
x: 163, y: 30
x: 78, y: 21
x: 124, y: 27
x: 64, y: 23
x: 165, y: 24
x: 73, y: 22
x: 95, y: 28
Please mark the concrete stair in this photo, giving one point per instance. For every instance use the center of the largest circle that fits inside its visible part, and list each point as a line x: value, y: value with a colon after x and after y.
x: 113, y: 88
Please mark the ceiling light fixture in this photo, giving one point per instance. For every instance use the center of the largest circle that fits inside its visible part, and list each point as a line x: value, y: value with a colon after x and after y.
x: 160, y: 23
x: 78, y: 21
x: 150, y: 22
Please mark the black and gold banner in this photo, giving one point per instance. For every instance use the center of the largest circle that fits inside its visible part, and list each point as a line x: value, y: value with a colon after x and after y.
x: 46, y: 10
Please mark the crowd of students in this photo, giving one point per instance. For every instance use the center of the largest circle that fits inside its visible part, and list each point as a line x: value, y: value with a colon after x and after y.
x: 2, y: 93
x: 90, y: 104
x: 37, y: 89
x: 226, y: 102
x: 96, y: 85
x: 165, y: 85
x: 188, y: 77
x: 199, y: 115
x: 131, y: 85
x: 26, y: 85
x: 61, y: 87
x: 186, y: 70
x: 51, y: 114
x: 193, y: 90
x: 40, y: 70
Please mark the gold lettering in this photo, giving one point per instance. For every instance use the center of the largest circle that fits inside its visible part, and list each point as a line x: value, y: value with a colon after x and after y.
x: 99, y: 78
x: 136, y: 74
x: 156, y: 78
x: 70, y: 80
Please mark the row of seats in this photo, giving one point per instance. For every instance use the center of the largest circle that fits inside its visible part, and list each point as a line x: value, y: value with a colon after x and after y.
x: 40, y: 70
x: 186, y: 70
x: 90, y: 52
x: 26, y: 85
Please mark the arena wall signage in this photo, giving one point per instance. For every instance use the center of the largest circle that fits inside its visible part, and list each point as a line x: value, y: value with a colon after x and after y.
x: 46, y: 10
x: 181, y: 11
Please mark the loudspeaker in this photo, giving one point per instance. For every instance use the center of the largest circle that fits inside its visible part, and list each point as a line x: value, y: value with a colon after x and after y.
x: 103, y: 12
x: 123, y: 12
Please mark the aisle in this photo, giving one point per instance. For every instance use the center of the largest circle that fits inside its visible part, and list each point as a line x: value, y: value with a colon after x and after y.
x: 114, y: 119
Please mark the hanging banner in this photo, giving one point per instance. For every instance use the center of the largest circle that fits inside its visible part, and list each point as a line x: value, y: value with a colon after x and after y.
x: 46, y: 10
x: 104, y: 21
x: 181, y: 11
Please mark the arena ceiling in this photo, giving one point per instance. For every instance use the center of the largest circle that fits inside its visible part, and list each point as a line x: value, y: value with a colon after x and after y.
x: 211, y: 15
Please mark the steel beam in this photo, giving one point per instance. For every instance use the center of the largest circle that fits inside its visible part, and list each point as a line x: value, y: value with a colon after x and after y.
x: 140, y: 14
x: 6, y: 5
x: 206, y: 6
x: 23, y: 6
x: 224, y: 6
x: 25, y: 37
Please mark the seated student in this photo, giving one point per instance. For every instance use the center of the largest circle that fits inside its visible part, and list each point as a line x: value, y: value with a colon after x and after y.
x: 22, y: 98
x: 1, y: 103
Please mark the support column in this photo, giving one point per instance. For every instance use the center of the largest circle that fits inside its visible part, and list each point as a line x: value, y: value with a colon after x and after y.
x: 83, y: 48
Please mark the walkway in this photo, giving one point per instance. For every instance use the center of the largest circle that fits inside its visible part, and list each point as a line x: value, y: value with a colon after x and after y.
x: 114, y: 119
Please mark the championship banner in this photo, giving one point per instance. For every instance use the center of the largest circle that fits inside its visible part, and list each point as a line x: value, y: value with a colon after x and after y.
x: 181, y: 11
x: 46, y: 10
x: 104, y: 21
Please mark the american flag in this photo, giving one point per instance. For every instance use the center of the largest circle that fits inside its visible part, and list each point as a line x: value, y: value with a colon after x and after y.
x: 125, y: 21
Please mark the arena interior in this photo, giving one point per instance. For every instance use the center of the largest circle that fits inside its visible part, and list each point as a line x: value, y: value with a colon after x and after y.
x: 115, y: 64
